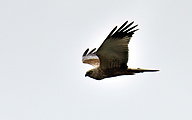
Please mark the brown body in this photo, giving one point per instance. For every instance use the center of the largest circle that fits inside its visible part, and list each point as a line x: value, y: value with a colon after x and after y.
x: 99, y: 74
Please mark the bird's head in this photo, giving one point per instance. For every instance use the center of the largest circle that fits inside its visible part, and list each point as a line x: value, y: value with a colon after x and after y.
x: 94, y: 73
x: 89, y: 73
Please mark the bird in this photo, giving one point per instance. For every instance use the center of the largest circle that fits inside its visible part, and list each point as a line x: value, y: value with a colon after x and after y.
x: 111, y: 58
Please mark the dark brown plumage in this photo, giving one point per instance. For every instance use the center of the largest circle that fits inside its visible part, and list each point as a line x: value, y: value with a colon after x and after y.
x: 111, y: 58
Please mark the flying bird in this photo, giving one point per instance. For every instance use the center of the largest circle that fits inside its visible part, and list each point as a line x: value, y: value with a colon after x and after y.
x: 111, y: 58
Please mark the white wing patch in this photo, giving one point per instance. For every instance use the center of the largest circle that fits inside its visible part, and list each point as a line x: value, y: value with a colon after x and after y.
x: 91, y: 58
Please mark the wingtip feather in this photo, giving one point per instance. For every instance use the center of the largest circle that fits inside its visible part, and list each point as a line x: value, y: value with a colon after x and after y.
x: 110, y: 34
x: 85, y: 53
x: 92, y: 51
x: 122, y: 26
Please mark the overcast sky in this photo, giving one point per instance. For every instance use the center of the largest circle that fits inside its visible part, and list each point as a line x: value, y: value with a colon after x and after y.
x: 42, y: 76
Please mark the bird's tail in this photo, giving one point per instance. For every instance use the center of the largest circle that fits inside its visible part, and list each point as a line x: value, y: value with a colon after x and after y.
x: 139, y: 70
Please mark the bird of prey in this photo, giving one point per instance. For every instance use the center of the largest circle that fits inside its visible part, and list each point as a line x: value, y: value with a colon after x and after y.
x: 111, y: 57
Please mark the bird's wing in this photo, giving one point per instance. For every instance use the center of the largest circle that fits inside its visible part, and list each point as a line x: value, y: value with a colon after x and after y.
x: 90, y: 58
x: 113, y: 53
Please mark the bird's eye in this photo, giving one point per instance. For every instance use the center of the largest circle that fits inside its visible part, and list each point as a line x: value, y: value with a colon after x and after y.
x: 90, y: 72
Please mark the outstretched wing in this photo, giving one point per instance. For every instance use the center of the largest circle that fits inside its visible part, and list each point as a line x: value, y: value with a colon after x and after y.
x: 113, y: 53
x: 90, y: 58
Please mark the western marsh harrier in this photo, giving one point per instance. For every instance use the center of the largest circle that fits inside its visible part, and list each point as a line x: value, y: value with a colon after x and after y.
x: 111, y: 57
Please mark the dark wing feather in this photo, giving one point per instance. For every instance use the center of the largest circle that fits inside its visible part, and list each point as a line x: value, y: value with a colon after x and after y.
x: 113, y: 53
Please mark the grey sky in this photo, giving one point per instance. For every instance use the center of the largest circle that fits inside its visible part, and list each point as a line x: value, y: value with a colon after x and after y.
x: 42, y: 77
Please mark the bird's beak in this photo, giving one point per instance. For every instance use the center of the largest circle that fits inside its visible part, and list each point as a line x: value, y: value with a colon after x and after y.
x: 86, y: 75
